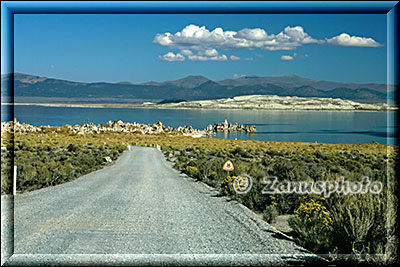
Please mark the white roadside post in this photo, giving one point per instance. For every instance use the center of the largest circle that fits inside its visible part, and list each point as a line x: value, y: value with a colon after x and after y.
x: 15, y: 181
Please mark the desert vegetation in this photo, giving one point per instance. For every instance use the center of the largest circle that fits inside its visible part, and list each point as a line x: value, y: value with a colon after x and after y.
x: 44, y: 159
x: 353, y: 227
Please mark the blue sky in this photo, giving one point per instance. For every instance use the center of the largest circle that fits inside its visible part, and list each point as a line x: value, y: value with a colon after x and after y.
x: 136, y: 48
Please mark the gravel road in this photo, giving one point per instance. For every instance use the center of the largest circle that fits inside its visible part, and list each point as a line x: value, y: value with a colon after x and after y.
x: 139, y: 211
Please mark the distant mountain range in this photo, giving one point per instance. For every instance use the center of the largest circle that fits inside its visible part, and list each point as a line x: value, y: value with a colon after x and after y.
x: 191, y: 88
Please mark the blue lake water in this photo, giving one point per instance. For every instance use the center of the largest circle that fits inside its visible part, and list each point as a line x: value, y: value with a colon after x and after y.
x: 299, y: 126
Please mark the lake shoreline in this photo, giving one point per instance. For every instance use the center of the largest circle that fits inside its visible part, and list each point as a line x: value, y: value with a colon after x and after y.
x: 167, y: 106
x: 279, y: 125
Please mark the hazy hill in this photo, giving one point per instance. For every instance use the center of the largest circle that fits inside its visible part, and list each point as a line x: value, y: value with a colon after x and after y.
x: 188, y: 82
x: 291, y: 81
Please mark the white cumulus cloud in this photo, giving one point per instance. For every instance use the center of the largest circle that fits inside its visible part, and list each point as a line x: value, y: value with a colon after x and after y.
x: 208, y: 55
x: 198, y: 43
x: 194, y: 37
x: 205, y: 58
x: 236, y: 58
x: 291, y: 57
x: 345, y: 39
x: 256, y: 34
x: 287, y: 57
x: 170, y: 56
x: 186, y: 52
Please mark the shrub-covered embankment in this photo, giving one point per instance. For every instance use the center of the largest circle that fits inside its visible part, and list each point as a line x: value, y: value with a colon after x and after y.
x: 44, y: 161
x: 353, y: 227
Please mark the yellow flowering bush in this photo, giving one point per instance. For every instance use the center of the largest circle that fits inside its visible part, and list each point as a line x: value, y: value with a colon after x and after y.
x: 191, y: 169
x: 273, y: 200
x: 312, y: 225
x: 314, y: 214
x: 227, y: 180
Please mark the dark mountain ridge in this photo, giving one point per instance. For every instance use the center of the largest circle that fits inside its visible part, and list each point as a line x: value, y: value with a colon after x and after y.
x: 292, y: 81
x: 190, y: 88
x: 187, y: 82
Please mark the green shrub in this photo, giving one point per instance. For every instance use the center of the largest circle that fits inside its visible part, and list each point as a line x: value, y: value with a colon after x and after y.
x: 359, y: 226
x: 270, y: 213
